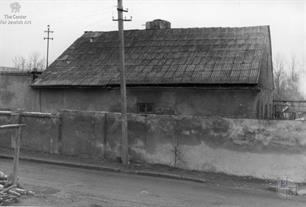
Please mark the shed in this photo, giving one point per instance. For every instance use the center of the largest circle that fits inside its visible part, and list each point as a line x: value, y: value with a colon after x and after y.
x: 193, y: 71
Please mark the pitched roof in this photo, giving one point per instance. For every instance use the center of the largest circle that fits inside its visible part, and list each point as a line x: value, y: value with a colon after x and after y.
x: 165, y: 56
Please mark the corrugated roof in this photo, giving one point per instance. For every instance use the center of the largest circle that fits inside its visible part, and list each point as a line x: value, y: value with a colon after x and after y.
x: 166, y: 56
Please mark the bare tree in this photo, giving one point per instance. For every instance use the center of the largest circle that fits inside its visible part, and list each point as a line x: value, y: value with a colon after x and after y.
x: 19, y: 62
x: 286, y: 79
x: 293, y: 69
x: 279, y: 73
x: 33, y: 62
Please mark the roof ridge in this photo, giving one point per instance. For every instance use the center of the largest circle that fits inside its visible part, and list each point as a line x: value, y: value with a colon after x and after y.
x: 185, y: 28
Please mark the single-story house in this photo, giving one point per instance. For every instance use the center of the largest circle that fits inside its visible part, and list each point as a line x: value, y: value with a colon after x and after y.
x: 192, y: 71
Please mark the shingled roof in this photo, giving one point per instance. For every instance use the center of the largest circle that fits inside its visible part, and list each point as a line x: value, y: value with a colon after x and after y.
x: 163, y: 57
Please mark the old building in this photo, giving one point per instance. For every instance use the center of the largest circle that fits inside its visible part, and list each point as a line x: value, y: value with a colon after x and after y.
x: 194, y: 71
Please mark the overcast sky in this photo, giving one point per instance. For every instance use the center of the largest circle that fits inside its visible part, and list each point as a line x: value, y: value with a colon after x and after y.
x: 69, y: 19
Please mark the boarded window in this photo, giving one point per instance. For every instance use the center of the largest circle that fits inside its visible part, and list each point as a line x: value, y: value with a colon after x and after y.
x: 145, y: 108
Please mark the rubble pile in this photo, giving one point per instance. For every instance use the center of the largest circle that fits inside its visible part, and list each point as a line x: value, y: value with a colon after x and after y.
x: 9, y: 192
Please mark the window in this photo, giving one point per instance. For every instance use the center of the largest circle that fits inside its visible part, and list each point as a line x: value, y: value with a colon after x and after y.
x: 145, y: 108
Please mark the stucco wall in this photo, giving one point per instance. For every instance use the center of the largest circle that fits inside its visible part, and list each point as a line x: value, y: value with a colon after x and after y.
x: 40, y: 134
x: 83, y: 134
x: 6, y: 135
x: 189, y: 101
x: 15, y: 91
x: 245, y: 147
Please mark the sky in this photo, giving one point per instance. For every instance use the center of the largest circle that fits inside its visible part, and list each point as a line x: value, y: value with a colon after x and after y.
x: 69, y: 19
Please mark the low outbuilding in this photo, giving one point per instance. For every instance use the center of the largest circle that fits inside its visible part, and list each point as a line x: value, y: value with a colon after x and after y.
x: 193, y: 71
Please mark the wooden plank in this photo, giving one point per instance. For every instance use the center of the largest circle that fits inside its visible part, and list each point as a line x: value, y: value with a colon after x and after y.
x: 16, y: 155
x: 6, y: 112
x: 17, y: 147
x: 11, y: 126
x: 7, y: 189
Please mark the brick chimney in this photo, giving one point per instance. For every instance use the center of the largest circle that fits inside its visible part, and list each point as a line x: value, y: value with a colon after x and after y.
x: 158, y: 24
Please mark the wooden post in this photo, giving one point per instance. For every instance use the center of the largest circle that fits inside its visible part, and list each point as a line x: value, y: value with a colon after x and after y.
x: 124, y: 125
x: 105, y: 135
x: 124, y: 132
x: 17, y: 141
x: 16, y: 154
x: 48, y: 38
x: 17, y: 147
x: 60, y: 132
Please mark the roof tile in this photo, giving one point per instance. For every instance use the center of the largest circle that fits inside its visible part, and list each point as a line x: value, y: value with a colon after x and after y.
x: 173, y: 56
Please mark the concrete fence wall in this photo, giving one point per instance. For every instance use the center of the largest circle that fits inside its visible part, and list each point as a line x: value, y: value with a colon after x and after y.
x: 245, y: 147
x: 16, y: 92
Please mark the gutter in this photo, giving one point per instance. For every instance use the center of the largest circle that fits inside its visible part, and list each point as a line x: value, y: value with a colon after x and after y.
x: 255, y: 87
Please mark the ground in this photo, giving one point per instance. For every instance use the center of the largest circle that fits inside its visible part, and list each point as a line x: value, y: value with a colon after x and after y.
x: 57, y: 185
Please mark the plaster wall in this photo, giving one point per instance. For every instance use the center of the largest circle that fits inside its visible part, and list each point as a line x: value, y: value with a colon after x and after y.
x: 16, y: 92
x: 236, y: 103
x: 244, y: 147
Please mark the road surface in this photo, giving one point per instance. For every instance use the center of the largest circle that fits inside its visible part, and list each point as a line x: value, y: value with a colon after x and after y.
x: 66, y: 186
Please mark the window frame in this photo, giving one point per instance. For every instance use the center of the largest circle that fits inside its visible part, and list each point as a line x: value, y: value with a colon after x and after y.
x: 145, y: 107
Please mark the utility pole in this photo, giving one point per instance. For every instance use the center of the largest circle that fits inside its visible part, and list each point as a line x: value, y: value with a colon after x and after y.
x: 124, y: 131
x: 48, y: 38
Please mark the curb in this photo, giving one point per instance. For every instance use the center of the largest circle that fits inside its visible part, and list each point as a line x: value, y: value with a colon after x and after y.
x: 167, y: 175
x: 108, y: 169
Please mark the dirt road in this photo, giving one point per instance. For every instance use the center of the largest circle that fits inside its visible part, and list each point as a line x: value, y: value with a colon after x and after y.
x: 65, y: 186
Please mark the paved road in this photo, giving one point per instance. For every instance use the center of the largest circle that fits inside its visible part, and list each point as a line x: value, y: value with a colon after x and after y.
x: 64, y: 186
